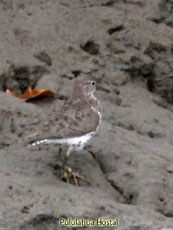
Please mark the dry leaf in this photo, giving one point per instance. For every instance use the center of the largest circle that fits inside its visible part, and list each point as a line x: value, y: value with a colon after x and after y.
x: 31, y: 93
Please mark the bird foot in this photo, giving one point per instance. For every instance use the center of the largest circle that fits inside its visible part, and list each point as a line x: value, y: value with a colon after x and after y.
x: 68, y: 175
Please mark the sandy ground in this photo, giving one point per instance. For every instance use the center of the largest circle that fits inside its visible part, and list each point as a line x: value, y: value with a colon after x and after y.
x: 127, y: 47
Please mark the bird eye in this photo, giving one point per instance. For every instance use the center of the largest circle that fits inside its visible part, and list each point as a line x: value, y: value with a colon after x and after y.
x: 93, y: 83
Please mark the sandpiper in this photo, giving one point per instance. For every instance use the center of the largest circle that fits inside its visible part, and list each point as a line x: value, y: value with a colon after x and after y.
x: 74, y: 123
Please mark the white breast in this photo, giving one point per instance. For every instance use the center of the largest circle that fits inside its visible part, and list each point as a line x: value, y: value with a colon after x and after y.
x: 99, y: 114
x: 74, y: 142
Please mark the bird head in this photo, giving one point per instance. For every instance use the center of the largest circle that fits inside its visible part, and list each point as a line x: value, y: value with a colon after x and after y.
x: 84, y: 86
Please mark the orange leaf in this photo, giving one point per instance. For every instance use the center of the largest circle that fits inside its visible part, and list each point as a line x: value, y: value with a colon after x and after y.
x: 31, y: 93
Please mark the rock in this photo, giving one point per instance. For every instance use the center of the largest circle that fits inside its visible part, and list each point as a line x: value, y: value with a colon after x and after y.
x: 141, y: 67
x: 90, y: 47
x: 166, y: 12
x: 44, y: 57
x: 18, y: 79
x: 161, y: 79
x: 127, y: 47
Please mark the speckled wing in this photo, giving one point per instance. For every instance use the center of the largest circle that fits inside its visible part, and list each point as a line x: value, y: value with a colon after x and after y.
x: 74, y: 120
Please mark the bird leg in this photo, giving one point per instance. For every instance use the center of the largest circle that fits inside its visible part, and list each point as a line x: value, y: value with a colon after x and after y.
x: 67, y: 154
x: 66, y: 173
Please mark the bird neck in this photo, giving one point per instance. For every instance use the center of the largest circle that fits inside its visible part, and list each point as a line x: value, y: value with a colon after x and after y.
x: 93, y: 101
x: 90, y: 99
